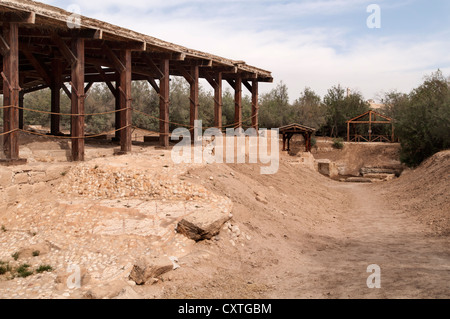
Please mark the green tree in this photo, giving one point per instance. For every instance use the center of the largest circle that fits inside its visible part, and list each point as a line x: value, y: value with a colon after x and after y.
x: 275, y: 110
x: 423, y: 120
x: 340, y: 108
x: 309, y: 109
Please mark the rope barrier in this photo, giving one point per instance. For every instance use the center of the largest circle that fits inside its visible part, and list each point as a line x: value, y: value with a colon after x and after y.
x: 9, y: 132
x: 111, y: 112
x: 190, y: 126
x: 70, y: 114
x: 120, y: 110
x: 75, y: 137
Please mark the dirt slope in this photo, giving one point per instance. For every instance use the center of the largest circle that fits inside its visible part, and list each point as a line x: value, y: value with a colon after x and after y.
x: 424, y: 192
x: 312, y: 238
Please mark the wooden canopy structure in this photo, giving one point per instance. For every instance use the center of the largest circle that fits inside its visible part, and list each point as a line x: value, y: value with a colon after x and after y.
x: 371, y: 118
x: 42, y: 46
x: 290, y: 130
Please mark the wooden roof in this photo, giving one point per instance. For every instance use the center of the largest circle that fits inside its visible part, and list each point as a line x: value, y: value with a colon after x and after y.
x: 42, y: 26
x: 372, y: 118
x: 296, y: 128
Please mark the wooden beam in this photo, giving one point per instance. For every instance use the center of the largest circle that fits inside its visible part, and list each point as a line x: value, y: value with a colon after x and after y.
x: 95, y: 34
x: 164, y: 104
x: 40, y: 67
x: 66, y: 90
x: 247, y: 85
x: 108, y: 83
x: 65, y: 50
x: 35, y: 88
x: 188, y: 76
x: 88, y: 87
x: 4, y: 47
x: 77, y: 127
x: 151, y: 64
x: 231, y: 82
x: 154, y: 84
x: 11, y: 91
x: 367, y: 122
x: 18, y: 17
x: 118, y: 65
x: 172, y: 56
x: 85, y: 33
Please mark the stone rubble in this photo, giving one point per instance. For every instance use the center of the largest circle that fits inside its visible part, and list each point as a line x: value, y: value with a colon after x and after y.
x: 94, y: 221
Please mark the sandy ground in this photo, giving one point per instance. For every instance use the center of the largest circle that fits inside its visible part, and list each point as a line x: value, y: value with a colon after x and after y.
x: 315, y: 238
x: 302, y: 235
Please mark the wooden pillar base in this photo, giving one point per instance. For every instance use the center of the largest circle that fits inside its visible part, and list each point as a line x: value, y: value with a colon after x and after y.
x: 13, y: 162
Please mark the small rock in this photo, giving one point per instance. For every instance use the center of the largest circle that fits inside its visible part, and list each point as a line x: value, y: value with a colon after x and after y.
x: 261, y: 199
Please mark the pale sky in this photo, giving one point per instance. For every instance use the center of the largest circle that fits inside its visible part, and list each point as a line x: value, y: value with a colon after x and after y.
x: 304, y: 43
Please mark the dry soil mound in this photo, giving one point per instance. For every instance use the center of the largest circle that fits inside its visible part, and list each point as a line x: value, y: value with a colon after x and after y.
x: 425, y: 191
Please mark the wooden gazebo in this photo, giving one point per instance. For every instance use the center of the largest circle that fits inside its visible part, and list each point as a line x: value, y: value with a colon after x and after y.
x: 288, y: 131
x: 40, y: 49
x: 370, y: 118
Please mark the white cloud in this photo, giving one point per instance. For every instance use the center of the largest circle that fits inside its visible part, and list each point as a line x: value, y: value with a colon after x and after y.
x: 254, y: 31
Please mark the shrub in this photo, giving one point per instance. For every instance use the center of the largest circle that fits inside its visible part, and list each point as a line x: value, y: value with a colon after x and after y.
x: 313, y: 141
x: 23, y: 271
x: 43, y: 268
x: 36, y: 253
x: 338, y: 143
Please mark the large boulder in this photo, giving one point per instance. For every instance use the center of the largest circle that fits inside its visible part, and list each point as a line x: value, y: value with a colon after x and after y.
x: 202, y: 224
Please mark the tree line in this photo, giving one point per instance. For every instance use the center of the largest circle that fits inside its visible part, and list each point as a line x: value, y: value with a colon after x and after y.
x: 421, y: 117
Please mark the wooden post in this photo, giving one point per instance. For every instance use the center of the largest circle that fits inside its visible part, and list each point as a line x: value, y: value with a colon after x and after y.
x: 289, y: 136
x: 255, y: 106
x: 218, y: 101
x: 370, y: 126
x: 284, y: 142
x: 125, y: 102
x: 348, y: 131
x: 56, y: 83
x: 194, y: 88
x: 11, y: 91
x: 77, y: 127
x: 308, y: 139
x: 238, y: 101
x: 164, y: 104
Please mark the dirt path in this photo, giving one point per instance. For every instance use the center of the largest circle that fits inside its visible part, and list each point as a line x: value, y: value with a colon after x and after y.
x: 413, y: 264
